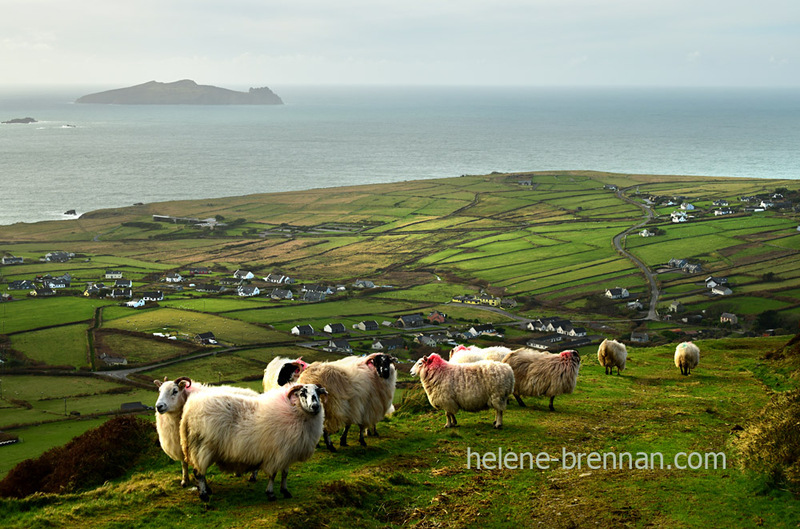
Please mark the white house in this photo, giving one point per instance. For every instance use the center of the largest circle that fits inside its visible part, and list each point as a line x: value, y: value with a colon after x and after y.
x: 135, y: 303
x: 248, y: 291
x: 646, y: 233
x: 302, y: 330
x: 174, y: 277
x: 243, y: 274
x: 721, y: 291
x: 687, y: 206
x: 617, y: 293
x: 113, y: 274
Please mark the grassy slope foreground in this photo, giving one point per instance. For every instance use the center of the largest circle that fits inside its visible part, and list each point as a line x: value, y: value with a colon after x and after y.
x: 416, y: 472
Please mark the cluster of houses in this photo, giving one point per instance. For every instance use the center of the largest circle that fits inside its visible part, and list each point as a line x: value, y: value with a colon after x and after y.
x: 685, y: 265
x: 718, y: 286
x: 276, y: 286
x: 560, y: 332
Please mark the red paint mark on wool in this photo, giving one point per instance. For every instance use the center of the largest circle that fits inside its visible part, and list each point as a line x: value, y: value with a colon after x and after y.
x: 436, y: 362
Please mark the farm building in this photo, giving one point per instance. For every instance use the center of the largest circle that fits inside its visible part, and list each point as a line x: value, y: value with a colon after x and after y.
x: 437, y: 317
x: 334, y: 328
x: 410, y: 321
x: 617, y: 293
x: 388, y: 344
x: 302, y: 330
x: 338, y: 346
x: 727, y: 317
x: 367, y: 325
x: 280, y: 293
x: 247, y: 291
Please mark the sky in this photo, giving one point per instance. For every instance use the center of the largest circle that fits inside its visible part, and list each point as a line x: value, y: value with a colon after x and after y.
x: 242, y: 43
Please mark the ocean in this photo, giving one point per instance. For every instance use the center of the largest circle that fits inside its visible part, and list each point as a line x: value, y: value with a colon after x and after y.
x: 87, y: 157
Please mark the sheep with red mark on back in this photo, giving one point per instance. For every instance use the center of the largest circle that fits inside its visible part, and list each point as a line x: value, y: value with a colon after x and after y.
x: 543, y: 374
x: 469, y: 387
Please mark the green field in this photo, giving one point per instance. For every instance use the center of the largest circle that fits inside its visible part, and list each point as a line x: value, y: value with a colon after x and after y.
x: 548, y: 247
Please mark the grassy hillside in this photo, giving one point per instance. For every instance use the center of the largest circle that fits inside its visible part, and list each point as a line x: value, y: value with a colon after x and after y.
x: 542, y: 240
x: 416, y: 472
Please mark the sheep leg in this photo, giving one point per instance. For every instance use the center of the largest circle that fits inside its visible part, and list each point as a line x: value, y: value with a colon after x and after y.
x: 343, y: 439
x: 551, y: 404
x: 612, y: 370
x: 328, y: 442
x: 184, y: 473
x: 519, y: 400
x: 361, y: 440
x: 202, y: 486
x: 498, y: 419
x: 374, y: 431
x: 270, y: 487
x: 253, y: 477
x: 284, y: 490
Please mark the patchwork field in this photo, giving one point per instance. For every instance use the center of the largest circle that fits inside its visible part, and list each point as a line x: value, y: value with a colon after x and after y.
x: 545, y: 248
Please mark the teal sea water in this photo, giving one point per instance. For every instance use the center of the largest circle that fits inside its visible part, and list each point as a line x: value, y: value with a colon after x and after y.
x: 86, y: 157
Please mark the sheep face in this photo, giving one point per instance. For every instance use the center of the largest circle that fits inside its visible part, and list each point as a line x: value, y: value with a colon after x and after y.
x: 415, y: 369
x: 308, y: 397
x: 290, y: 372
x: 171, y: 394
x: 383, y: 365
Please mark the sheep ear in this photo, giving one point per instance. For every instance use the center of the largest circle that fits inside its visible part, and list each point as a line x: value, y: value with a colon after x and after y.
x: 158, y: 383
x: 294, y: 389
x: 393, y: 359
x: 321, y: 391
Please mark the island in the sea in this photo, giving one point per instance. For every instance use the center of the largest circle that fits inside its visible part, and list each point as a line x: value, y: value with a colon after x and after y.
x: 20, y: 120
x: 185, y: 92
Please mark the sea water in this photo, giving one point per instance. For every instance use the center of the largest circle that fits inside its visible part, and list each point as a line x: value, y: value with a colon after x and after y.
x: 87, y: 157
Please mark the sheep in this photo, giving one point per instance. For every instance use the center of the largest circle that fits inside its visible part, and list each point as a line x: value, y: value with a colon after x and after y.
x: 281, y: 371
x: 172, y: 396
x: 385, y: 382
x: 543, y: 374
x: 470, y: 387
x: 612, y: 354
x: 687, y: 356
x: 351, y: 397
x: 468, y: 354
x: 241, y: 433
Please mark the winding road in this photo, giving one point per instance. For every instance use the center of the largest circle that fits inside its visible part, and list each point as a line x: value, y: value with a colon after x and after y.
x: 652, y: 313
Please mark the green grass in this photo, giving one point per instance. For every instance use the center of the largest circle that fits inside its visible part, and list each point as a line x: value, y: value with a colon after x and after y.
x: 58, y: 346
x: 187, y: 324
x: 31, y: 313
x: 416, y: 472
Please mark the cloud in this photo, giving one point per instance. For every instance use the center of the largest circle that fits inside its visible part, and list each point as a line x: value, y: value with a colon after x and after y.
x: 693, y: 56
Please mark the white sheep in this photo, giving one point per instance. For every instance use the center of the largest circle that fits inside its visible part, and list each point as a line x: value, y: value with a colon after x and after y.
x: 612, y: 354
x: 281, y: 371
x: 385, y: 383
x: 687, y: 356
x: 543, y: 374
x: 241, y: 433
x: 172, y: 396
x: 352, y: 397
x: 467, y: 354
x: 470, y: 387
